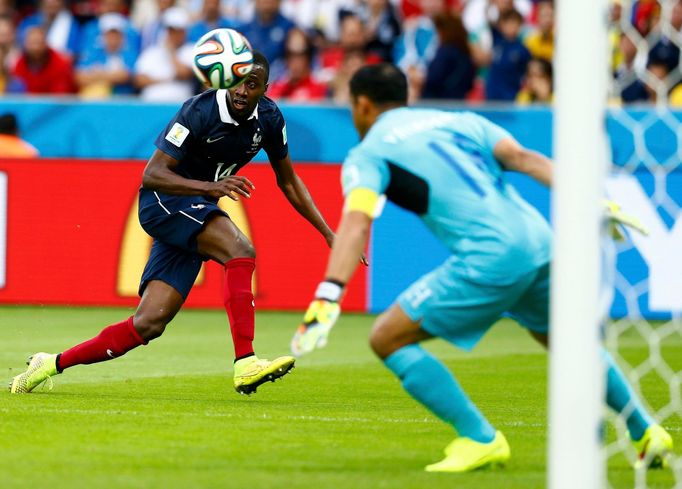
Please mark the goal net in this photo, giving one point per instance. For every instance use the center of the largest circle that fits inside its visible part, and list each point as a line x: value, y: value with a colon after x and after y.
x: 645, y: 132
x: 619, y: 129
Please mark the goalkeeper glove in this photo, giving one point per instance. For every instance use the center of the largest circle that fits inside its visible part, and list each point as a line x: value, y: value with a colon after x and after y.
x: 318, y: 319
x: 617, y: 218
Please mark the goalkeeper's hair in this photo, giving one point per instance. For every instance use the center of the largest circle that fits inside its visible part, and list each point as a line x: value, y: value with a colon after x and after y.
x: 383, y: 84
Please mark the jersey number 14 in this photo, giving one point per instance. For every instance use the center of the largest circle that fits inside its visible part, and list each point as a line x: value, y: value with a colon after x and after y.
x: 226, y: 173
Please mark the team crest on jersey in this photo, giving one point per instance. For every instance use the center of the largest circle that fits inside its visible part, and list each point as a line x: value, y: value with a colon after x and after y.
x: 177, y: 134
x: 255, y: 142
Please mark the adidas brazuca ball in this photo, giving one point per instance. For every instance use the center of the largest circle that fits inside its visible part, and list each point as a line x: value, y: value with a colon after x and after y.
x: 222, y: 58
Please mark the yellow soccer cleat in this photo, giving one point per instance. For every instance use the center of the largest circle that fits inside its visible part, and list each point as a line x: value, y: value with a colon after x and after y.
x: 41, y: 366
x: 654, y: 448
x: 465, y: 455
x: 250, y: 372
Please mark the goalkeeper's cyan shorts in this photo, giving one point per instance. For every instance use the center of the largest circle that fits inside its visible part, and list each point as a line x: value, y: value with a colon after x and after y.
x: 460, y: 311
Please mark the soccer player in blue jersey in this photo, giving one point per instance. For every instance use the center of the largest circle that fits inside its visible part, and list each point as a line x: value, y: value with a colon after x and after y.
x: 449, y: 169
x: 196, y: 162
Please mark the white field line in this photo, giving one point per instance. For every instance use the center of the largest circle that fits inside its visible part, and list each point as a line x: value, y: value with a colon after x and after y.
x: 208, y: 414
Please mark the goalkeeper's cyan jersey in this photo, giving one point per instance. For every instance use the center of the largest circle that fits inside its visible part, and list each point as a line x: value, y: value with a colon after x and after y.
x: 440, y: 166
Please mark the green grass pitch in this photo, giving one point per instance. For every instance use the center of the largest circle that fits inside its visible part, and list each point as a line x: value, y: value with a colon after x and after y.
x: 166, y: 415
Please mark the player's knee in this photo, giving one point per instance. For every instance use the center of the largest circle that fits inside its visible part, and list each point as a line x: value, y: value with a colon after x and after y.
x: 150, y: 326
x: 381, y: 340
x: 244, y: 249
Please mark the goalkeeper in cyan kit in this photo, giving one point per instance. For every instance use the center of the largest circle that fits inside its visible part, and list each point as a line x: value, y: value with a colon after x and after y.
x: 449, y: 169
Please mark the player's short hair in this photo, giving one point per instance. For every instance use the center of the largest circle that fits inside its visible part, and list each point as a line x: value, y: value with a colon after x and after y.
x: 382, y: 83
x: 8, y: 124
x: 260, y: 60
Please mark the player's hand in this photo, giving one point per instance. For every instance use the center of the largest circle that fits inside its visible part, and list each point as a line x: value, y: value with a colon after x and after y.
x: 330, y: 243
x: 364, y: 260
x: 617, y: 218
x: 317, y: 323
x: 232, y: 187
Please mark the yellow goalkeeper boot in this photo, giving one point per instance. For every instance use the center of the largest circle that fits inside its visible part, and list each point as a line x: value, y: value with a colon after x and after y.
x: 250, y: 372
x: 654, y: 448
x: 41, y: 366
x: 465, y: 455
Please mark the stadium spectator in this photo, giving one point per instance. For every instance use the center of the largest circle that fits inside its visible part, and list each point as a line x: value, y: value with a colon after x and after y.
x: 540, y: 43
x: 450, y: 75
x: 152, y: 30
x: 211, y: 18
x: 92, y: 39
x: 315, y: 16
x: 478, y: 15
x: 298, y: 83
x: 614, y: 33
x: 8, y: 42
x: 538, y: 85
x: 107, y: 68
x: 339, y: 84
x: 666, y: 50
x: 631, y: 88
x: 381, y: 26
x: 11, y: 144
x: 268, y: 31
x: 657, y: 80
x: 645, y: 15
x: 510, y: 58
x: 42, y: 69
x: 7, y: 8
x: 60, y: 25
x: 164, y: 71
x: 416, y: 46
x: 352, y: 43
x: 8, y: 82
x: 675, y: 98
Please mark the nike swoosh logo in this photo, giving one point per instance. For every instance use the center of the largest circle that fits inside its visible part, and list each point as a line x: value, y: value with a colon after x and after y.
x: 209, y: 140
x: 111, y: 354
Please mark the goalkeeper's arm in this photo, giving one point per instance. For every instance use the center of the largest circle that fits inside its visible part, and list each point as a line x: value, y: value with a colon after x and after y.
x: 351, y: 237
x: 514, y: 157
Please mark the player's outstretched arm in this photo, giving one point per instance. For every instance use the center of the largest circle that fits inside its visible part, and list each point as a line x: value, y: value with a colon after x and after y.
x: 324, y: 310
x: 159, y: 175
x: 297, y: 194
x: 515, y: 157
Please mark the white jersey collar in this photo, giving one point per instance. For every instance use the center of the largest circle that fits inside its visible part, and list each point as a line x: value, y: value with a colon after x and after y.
x: 225, y: 116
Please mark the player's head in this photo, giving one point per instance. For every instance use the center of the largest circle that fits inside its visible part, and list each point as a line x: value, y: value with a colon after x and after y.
x: 375, y: 89
x: 244, y: 98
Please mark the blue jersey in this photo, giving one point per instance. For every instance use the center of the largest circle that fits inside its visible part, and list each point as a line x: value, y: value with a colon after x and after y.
x: 440, y: 166
x: 210, y: 145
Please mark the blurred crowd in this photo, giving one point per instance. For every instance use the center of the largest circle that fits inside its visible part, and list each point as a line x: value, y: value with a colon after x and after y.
x: 473, y: 50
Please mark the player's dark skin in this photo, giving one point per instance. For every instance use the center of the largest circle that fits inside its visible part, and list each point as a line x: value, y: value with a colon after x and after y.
x: 220, y: 239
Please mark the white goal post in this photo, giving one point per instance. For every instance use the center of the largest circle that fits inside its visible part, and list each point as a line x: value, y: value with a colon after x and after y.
x: 577, y: 377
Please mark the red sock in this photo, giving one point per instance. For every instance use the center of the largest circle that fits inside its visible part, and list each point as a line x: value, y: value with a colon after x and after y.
x: 238, y: 299
x: 113, y: 341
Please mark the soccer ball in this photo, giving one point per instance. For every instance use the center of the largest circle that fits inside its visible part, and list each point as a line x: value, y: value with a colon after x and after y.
x: 222, y: 58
